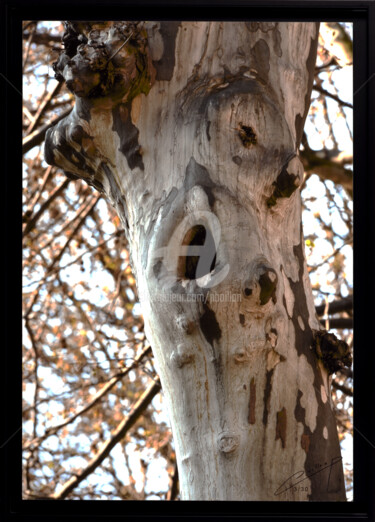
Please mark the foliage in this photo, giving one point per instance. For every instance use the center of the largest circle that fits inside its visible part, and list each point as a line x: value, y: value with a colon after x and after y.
x: 86, y: 362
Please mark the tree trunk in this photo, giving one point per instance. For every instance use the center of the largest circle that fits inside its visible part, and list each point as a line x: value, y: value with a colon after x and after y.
x: 192, y: 132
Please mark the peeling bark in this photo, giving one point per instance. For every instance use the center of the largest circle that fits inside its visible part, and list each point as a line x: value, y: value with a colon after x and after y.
x: 192, y: 131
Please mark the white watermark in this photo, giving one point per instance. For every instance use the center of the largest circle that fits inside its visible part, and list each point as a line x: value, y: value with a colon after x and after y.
x: 204, y: 254
x: 208, y: 297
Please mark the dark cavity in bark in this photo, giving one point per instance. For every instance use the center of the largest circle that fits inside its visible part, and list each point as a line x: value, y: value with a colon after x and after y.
x: 285, y: 185
x: 247, y: 135
x: 209, y: 325
x: 268, y: 286
x: 157, y: 268
x: 194, y: 266
x: 208, y: 125
x: 267, y: 396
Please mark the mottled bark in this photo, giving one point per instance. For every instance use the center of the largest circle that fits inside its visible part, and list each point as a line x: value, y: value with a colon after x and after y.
x: 192, y: 132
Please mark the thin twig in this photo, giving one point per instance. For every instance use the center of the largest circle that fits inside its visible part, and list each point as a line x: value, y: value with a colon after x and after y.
x: 339, y: 323
x: 43, y: 107
x: 333, y: 96
x: 35, y: 198
x: 72, y: 235
x: 61, y: 252
x: 107, y: 447
x: 119, y: 49
x: 327, y: 258
x: 342, y: 388
x: 36, y: 137
x: 32, y: 221
x: 172, y: 494
x: 336, y: 306
x: 97, y: 397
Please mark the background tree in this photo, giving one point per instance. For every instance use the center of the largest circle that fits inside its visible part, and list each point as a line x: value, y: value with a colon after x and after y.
x: 77, y: 353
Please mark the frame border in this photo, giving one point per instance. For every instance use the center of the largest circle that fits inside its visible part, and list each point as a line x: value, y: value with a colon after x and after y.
x: 362, y: 14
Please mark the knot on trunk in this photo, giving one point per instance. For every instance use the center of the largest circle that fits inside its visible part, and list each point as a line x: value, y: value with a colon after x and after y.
x: 228, y: 442
x: 182, y: 355
x: 247, y: 135
x: 261, y: 287
x: 184, y: 324
x: 333, y: 352
x: 287, y: 181
x: 110, y: 60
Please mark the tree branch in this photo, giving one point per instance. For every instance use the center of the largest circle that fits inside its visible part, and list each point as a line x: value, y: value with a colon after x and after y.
x: 174, y: 488
x: 333, y: 96
x: 44, y: 106
x: 57, y: 192
x: 118, y: 435
x: 340, y: 323
x: 328, y: 167
x: 342, y: 305
x: 84, y: 212
x: 348, y: 241
x: 86, y: 208
x: 346, y: 371
x: 342, y: 388
x: 98, y: 396
x: 34, y: 198
x: 44, y: 38
x: 36, y: 137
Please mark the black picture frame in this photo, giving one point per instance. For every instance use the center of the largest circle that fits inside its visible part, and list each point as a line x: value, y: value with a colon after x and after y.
x: 362, y: 14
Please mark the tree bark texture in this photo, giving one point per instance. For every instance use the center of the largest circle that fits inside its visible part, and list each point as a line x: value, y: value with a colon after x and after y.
x: 192, y: 130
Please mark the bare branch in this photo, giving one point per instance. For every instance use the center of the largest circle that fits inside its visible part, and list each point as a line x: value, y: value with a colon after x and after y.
x: 43, y: 38
x: 36, y: 137
x: 342, y: 388
x: 332, y: 168
x: 174, y: 488
x: 336, y: 306
x: 33, y: 220
x: 118, y: 435
x: 320, y: 89
x: 341, y: 323
x: 84, y: 212
x: 34, y: 198
x: 98, y: 396
x: 43, y: 107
